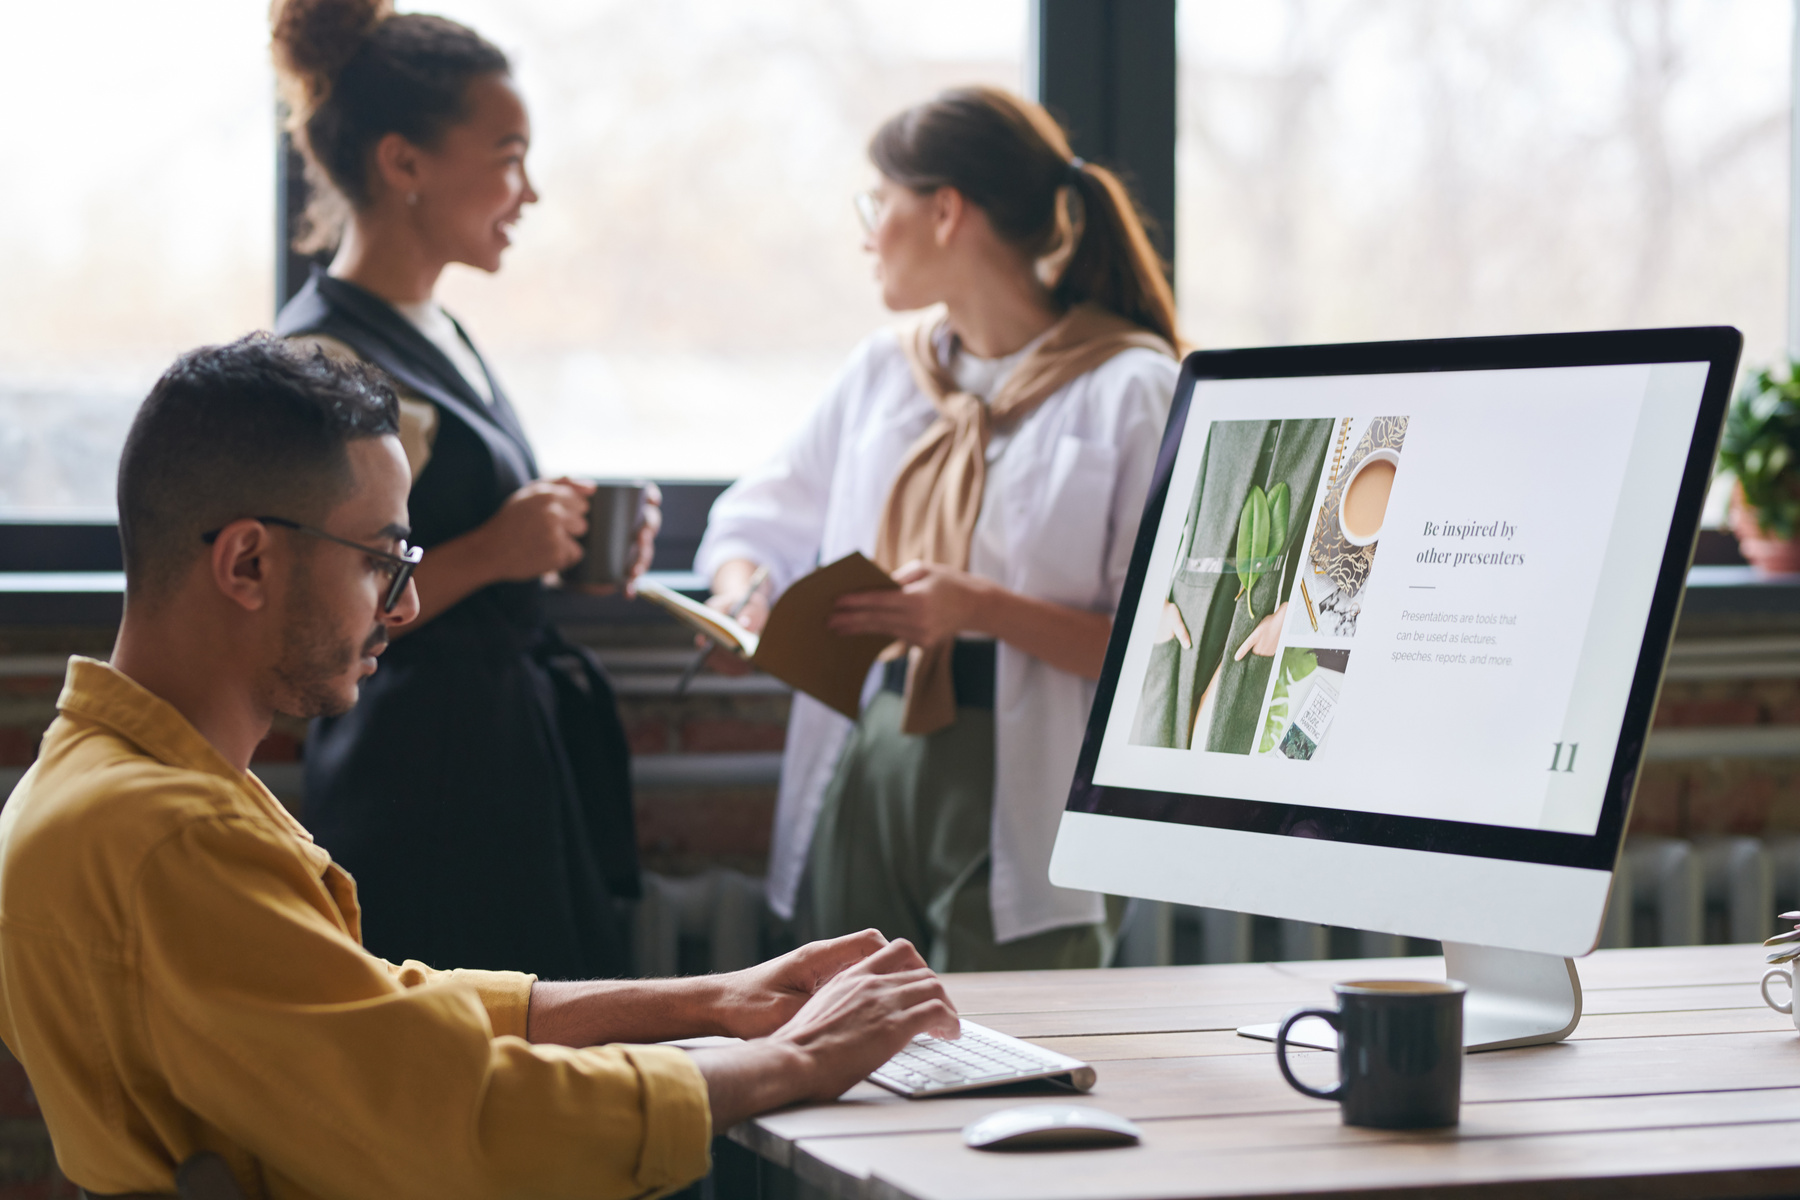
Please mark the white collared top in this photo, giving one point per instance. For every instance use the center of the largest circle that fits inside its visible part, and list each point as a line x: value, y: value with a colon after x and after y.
x: 1065, y: 489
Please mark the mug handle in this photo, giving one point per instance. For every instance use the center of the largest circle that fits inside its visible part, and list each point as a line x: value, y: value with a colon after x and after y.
x: 1778, y: 973
x: 1330, y: 1016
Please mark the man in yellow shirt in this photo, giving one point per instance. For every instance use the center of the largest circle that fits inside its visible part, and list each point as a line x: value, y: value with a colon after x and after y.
x: 180, y: 965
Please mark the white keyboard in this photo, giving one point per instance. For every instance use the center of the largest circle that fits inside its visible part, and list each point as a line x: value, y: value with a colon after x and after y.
x: 981, y: 1058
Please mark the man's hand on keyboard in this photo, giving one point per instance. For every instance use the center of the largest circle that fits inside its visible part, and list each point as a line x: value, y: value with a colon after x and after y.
x: 855, y: 1021
x: 864, y: 1014
x: 759, y: 1000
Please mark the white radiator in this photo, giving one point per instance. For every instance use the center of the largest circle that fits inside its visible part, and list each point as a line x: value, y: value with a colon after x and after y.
x: 1667, y: 892
x: 1720, y: 889
x: 718, y: 917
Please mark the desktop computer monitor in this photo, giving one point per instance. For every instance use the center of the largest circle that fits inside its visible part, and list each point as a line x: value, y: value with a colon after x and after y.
x: 1392, y: 637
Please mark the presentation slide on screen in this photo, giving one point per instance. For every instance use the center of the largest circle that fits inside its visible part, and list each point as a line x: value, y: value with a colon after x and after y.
x: 1419, y: 594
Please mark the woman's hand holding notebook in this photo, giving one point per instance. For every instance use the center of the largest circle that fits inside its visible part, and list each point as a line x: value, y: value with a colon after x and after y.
x: 795, y: 645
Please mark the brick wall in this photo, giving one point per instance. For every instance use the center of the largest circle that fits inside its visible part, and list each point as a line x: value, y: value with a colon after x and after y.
x: 1719, y: 795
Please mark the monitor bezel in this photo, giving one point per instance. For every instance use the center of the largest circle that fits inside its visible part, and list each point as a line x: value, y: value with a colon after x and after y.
x: 1718, y: 346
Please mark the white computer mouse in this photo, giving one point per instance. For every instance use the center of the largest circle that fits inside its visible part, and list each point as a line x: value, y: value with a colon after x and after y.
x: 1049, y: 1127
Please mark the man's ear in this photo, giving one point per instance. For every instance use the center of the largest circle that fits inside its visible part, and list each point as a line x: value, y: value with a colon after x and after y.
x: 397, y: 162
x: 948, y: 208
x: 240, y: 563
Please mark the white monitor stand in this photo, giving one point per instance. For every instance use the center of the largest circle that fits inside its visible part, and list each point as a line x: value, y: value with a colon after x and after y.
x: 1515, y: 998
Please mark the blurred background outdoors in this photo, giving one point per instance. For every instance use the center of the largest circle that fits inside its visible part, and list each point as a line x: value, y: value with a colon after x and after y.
x: 1347, y: 169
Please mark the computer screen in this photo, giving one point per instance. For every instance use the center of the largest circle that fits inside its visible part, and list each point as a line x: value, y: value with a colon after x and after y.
x: 1413, y: 595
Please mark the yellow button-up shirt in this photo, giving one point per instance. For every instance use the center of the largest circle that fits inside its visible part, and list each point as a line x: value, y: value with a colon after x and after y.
x: 181, y: 969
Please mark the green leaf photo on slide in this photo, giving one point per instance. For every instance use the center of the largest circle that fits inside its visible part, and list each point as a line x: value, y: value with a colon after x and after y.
x: 1239, y: 550
x: 1262, y: 536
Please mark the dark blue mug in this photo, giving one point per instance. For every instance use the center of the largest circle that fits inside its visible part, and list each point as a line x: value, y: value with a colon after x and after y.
x: 1400, y: 1051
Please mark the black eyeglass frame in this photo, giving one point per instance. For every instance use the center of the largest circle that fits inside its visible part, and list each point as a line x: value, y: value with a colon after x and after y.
x: 403, y: 563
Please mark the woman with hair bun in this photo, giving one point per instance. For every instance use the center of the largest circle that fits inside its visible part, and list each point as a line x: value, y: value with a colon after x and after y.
x: 480, y: 790
x: 994, y: 455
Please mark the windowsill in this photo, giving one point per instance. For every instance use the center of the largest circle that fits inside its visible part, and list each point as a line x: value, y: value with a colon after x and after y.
x: 96, y: 598
x: 1738, y: 576
x: 77, y: 598
x: 1724, y: 592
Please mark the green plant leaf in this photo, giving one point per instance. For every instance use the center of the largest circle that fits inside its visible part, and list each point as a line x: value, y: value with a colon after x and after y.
x: 1246, y: 538
x: 1761, y: 448
x: 1272, y: 727
x: 1280, y: 501
x: 1253, y: 542
x: 1296, y: 664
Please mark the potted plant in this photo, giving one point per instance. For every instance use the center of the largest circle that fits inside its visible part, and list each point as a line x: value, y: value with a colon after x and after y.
x: 1761, y: 450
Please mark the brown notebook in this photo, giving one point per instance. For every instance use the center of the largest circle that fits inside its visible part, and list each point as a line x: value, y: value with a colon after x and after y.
x: 795, y: 646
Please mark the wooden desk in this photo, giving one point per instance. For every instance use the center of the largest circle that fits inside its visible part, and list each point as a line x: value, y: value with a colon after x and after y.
x: 1678, y: 1082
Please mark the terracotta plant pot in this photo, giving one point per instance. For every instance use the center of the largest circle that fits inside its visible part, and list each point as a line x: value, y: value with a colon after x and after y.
x: 1770, y: 555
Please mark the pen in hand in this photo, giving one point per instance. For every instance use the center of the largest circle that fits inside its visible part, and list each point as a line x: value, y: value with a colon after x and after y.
x: 742, y: 602
x: 760, y: 577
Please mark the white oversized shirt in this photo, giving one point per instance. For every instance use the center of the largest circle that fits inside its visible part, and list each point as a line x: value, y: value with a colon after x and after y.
x: 1064, y: 505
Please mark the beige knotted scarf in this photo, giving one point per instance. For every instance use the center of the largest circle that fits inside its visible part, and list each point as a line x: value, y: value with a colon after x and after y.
x: 931, y: 511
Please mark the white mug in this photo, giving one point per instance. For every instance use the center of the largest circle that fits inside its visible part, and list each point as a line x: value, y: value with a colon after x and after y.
x: 1787, y: 977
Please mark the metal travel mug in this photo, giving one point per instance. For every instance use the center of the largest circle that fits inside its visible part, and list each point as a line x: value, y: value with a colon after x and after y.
x: 615, y: 513
x: 1400, y: 1052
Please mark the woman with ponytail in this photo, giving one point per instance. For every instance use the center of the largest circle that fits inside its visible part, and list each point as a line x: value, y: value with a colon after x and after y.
x: 480, y: 791
x: 993, y: 455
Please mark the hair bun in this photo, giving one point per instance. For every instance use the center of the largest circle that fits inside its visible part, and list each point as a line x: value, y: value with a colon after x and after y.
x: 313, y: 40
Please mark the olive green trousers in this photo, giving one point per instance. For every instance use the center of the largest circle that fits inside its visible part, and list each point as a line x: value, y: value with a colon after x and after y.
x: 902, y: 846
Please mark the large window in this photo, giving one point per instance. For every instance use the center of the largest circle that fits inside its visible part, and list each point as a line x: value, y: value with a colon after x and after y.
x: 692, y: 278
x: 693, y: 275
x: 685, y: 290
x: 1352, y: 170
x: 135, y: 222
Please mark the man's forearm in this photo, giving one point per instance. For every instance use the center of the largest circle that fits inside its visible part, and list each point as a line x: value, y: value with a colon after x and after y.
x: 755, y: 1077
x: 741, y: 1080
x: 594, y: 1012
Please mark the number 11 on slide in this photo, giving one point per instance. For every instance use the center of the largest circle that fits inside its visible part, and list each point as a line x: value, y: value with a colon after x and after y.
x: 1556, y: 763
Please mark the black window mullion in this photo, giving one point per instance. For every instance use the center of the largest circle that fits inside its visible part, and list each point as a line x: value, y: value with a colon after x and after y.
x: 1106, y: 70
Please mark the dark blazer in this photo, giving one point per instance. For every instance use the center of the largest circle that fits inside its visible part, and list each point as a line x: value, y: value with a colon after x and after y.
x: 480, y: 790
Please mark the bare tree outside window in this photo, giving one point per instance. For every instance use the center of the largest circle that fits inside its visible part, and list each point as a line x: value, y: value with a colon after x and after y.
x: 1354, y: 169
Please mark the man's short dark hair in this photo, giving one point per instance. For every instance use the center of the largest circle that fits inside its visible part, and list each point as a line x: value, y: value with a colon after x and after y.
x: 258, y: 427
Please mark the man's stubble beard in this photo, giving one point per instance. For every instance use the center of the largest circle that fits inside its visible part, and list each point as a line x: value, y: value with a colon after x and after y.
x: 315, y: 661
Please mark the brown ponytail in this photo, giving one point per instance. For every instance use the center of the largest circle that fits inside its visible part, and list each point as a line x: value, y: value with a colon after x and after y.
x: 1008, y: 157
x: 354, y: 71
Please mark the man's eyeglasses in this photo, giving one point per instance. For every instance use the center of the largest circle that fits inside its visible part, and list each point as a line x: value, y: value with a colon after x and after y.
x: 398, y: 567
